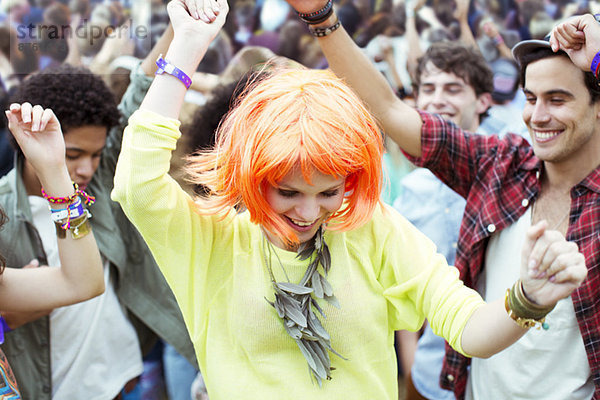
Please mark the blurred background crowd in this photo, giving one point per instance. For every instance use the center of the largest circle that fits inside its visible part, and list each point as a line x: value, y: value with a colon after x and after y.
x: 106, y: 34
x: 111, y: 36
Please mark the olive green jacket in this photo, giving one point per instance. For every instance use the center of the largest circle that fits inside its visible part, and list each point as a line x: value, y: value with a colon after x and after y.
x: 140, y: 286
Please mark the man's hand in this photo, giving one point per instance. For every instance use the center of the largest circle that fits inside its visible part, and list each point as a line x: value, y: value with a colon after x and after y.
x: 579, y: 37
x: 551, y: 267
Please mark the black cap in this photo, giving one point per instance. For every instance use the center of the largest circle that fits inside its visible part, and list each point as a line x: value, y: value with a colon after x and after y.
x: 527, y: 46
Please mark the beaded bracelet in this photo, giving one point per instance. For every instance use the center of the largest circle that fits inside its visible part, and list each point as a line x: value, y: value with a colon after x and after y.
x: 324, y: 18
x: 595, y: 66
x: 321, y: 32
x: 306, y: 17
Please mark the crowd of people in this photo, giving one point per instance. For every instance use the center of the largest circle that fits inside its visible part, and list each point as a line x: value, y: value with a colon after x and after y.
x: 249, y: 198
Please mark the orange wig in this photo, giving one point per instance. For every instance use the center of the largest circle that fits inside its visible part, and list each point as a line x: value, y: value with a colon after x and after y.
x: 293, y: 118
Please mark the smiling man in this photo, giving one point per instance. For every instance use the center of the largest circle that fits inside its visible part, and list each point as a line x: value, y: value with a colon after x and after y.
x: 562, y: 114
x: 509, y: 186
x: 454, y: 81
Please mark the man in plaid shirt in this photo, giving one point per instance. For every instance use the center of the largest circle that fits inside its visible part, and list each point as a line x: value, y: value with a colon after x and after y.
x: 511, y: 185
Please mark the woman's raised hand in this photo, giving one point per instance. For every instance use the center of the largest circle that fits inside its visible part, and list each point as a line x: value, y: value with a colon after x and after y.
x: 197, y: 16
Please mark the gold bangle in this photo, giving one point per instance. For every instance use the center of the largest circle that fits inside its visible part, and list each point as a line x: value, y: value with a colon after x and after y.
x: 522, y: 310
x: 80, y: 227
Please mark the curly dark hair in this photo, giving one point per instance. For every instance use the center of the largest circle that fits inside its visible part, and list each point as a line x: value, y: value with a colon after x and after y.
x: 461, y: 60
x: 77, y: 97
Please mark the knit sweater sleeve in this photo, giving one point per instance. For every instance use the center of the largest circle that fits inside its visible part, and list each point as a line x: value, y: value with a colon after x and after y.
x: 415, y: 277
x: 181, y: 240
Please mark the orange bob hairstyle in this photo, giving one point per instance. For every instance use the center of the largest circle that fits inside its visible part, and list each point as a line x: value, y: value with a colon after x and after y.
x: 294, y: 118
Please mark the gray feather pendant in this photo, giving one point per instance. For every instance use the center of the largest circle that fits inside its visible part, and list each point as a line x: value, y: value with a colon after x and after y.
x: 297, y: 306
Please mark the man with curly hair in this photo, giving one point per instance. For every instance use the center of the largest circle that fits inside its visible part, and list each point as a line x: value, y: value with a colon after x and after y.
x: 93, y: 348
x: 451, y: 79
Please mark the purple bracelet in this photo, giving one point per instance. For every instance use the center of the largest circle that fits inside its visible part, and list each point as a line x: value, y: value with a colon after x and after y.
x: 3, y: 328
x: 595, y: 64
x: 75, y: 210
x: 165, y: 66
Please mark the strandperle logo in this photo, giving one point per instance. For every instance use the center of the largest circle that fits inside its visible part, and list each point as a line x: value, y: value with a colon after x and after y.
x: 89, y: 31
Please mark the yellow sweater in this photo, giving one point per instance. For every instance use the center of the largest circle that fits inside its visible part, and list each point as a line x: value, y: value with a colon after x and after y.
x: 386, y: 276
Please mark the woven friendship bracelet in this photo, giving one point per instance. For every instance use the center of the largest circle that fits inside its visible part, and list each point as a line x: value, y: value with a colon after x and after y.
x: 74, y: 208
x: 594, y: 67
x: 60, y: 200
x: 317, y: 14
x: 89, y: 200
x: 321, y: 32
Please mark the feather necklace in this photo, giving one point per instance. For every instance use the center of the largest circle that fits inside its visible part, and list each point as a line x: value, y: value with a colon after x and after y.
x: 297, y: 307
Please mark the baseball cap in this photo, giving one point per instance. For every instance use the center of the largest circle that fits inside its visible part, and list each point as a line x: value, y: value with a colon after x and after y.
x: 527, y: 46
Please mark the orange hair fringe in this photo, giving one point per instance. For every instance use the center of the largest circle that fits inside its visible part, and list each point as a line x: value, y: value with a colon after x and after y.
x: 293, y: 117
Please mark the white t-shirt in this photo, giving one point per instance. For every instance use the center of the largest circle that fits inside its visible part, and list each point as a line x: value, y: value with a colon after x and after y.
x: 94, y: 347
x: 544, y: 364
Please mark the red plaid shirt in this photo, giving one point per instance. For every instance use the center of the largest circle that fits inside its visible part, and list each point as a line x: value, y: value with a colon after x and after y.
x: 499, y: 179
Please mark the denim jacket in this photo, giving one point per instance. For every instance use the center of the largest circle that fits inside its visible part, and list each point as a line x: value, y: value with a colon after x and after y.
x: 140, y: 286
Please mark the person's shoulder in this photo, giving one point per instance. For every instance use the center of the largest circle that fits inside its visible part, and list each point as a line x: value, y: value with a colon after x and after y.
x: 515, y: 146
x: 4, y: 186
x: 7, y: 183
x: 384, y: 221
x: 386, y: 231
x: 510, y: 144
